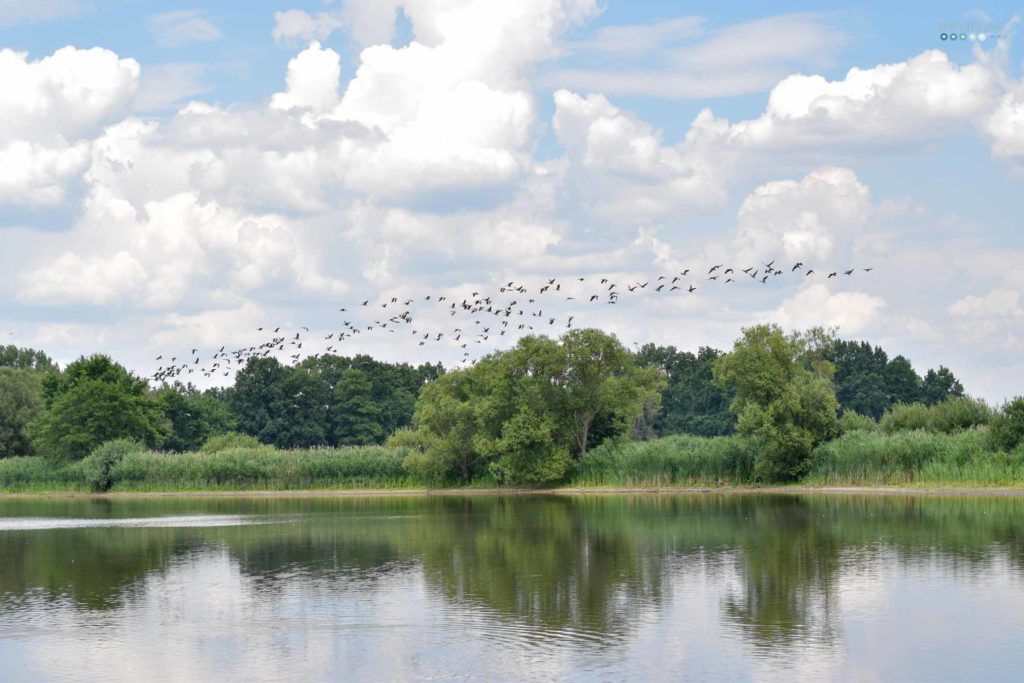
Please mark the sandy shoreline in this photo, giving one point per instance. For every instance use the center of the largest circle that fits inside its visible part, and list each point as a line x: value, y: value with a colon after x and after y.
x: 568, y: 491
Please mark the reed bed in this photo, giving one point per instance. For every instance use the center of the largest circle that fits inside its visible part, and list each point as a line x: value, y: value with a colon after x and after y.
x: 679, y: 460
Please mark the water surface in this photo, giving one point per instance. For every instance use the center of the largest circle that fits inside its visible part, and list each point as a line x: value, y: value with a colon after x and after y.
x: 699, y: 587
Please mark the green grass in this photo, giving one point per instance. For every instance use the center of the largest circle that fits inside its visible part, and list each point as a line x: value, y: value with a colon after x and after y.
x: 234, y: 469
x: 679, y: 460
x: 858, y: 458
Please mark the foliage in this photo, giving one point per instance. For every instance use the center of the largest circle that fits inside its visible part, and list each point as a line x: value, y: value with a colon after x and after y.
x: 851, y: 421
x: 25, y: 359
x: 691, y: 402
x: 958, y: 413
x: 950, y: 415
x: 939, y: 385
x: 194, y: 416
x: 783, y: 397
x: 524, y: 414
x: 92, y: 401
x: 678, y: 460
x: 222, y: 442
x: 903, y: 417
x: 98, y: 467
x: 1006, y: 429
x: 921, y: 457
x: 327, y: 400
x: 20, y: 403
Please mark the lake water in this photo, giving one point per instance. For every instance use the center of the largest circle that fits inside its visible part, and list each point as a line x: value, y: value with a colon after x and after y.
x: 608, y: 588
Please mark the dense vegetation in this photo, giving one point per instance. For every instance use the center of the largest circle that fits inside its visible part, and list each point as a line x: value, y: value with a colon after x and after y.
x: 580, y: 409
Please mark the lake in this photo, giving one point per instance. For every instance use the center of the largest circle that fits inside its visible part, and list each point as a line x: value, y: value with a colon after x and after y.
x: 511, y: 588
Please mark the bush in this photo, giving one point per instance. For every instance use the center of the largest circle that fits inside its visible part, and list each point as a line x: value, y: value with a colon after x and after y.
x: 1006, y: 428
x: 905, y: 417
x: 98, y: 466
x: 851, y: 421
x: 957, y: 414
x: 222, y: 442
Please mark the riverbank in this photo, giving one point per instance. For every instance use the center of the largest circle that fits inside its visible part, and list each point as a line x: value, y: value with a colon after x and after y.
x: 858, y: 462
x: 562, y: 491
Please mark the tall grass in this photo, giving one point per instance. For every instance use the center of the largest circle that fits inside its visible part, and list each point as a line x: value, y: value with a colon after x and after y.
x: 679, y: 460
x: 233, y: 469
x: 915, y: 457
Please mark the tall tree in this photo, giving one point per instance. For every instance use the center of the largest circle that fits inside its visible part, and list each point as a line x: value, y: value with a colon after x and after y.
x: 195, y: 416
x: 902, y: 382
x: 21, y: 402
x: 92, y: 401
x: 691, y: 403
x: 784, y: 397
x: 25, y: 359
x: 860, y: 377
x: 939, y: 385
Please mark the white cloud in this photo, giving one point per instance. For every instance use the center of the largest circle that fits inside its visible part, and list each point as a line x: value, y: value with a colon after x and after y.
x: 694, y: 61
x: 166, y: 85
x: 998, y: 303
x: 47, y: 109
x: 1005, y: 126
x: 891, y: 103
x: 626, y: 169
x: 814, y: 304
x: 312, y: 80
x: 295, y: 25
x: 179, y: 27
x: 176, y: 248
x: 802, y: 221
x: 18, y: 11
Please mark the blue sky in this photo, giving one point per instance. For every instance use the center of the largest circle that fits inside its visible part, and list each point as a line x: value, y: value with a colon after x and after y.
x: 207, y: 168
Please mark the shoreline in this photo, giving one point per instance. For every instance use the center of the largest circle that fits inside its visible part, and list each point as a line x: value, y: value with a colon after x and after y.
x: 563, y: 491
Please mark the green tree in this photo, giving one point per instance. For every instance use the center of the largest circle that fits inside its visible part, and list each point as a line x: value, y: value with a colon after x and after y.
x: 355, y: 417
x: 939, y: 385
x: 784, y: 397
x: 860, y: 378
x: 523, y: 414
x: 1006, y: 429
x: 691, y: 403
x: 25, y: 359
x: 902, y: 382
x: 21, y: 402
x: 195, y: 416
x: 600, y: 377
x: 92, y: 401
x: 283, y: 406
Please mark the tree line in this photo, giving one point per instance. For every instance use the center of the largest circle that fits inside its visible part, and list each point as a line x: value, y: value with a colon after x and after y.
x: 521, y: 416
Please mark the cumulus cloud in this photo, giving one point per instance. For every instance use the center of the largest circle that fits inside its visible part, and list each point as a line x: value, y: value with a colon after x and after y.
x: 610, y: 148
x: 815, y: 304
x: 802, y: 220
x: 312, y: 80
x: 912, y: 100
x: 48, y: 108
x: 177, y: 248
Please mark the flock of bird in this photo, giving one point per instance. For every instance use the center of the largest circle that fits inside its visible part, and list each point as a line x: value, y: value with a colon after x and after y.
x: 513, y: 311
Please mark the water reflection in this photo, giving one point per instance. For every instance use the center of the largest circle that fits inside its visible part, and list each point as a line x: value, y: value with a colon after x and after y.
x: 483, y: 586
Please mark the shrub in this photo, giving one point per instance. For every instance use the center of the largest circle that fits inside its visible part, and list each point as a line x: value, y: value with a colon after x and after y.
x: 905, y: 417
x: 852, y: 421
x: 1006, y: 428
x: 222, y: 442
x: 98, y: 466
x: 956, y: 414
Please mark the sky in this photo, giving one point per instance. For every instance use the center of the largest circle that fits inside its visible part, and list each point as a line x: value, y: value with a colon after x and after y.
x: 175, y: 176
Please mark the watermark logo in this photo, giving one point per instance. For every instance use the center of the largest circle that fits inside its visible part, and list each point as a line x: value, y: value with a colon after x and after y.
x: 967, y: 30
